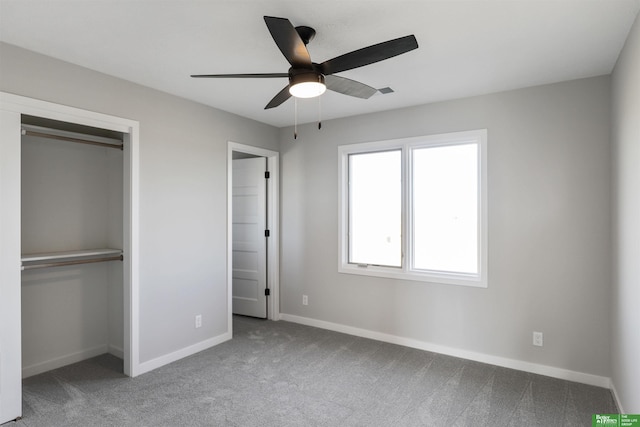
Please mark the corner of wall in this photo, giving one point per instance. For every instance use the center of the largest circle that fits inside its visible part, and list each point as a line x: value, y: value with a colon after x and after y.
x: 625, y: 142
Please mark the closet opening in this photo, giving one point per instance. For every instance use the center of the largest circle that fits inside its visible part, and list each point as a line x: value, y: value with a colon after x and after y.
x: 72, y: 238
x: 69, y: 180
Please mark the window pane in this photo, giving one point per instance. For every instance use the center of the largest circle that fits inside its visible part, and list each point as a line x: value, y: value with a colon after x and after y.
x: 375, y: 211
x: 445, y: 208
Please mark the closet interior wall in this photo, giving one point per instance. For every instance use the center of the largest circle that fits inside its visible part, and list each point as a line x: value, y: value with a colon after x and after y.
x: 72, y: 199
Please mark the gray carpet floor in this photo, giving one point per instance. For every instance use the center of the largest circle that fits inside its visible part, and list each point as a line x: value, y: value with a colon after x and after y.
x: 284, y: 374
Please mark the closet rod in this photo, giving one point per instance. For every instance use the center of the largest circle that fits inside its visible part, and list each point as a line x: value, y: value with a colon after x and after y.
x: 63, y: 263
x: 67, y: 138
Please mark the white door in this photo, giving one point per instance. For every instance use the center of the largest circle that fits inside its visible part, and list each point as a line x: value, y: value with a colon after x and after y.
x: 249, y: 238
x: 10, y: 282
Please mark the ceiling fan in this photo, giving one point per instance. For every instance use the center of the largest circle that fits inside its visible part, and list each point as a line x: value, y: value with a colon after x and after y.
x: 308, y: 79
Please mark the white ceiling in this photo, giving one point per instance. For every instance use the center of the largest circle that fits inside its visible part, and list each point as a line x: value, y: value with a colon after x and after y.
x: 466, y: 47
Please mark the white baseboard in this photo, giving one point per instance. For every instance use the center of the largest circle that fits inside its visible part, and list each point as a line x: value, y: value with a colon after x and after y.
x: 616, y: 398
x: 116, y: 351
x: 519, y: 365
x: 38, y: 368
x: 182, y: 353
x: 59, y: 362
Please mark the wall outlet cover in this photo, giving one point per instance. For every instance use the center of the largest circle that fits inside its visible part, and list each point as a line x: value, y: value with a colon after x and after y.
x: 538, y: 339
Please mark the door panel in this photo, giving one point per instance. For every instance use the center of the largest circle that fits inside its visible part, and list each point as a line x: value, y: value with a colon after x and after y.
x: 249, y: 241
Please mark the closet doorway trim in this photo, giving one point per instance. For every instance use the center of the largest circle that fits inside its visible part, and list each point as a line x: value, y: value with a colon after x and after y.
x: 131, y: 148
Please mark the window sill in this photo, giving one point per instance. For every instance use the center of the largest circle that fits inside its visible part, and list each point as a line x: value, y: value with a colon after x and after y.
x: 474, y: 281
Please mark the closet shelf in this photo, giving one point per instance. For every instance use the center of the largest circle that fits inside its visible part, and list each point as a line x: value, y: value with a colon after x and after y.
x: 59, y: 259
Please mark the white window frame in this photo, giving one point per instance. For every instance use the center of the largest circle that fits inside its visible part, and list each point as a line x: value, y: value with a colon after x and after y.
x: 406, y: 271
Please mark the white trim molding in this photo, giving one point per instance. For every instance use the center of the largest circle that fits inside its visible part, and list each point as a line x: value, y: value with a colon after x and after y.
x: 504, y: 362
x: 158, y: 362
x: 616, y: 398
x: 58, y: 362
x: 115, y: 351
x: 10, y: 284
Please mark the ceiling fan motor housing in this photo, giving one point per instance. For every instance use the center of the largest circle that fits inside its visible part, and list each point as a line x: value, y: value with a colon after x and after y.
x: 306, y: 33
x: 302, y: 75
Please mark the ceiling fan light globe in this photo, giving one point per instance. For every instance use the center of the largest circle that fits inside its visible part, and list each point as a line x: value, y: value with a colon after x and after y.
x: 307, y: 89
x: 306, y: 83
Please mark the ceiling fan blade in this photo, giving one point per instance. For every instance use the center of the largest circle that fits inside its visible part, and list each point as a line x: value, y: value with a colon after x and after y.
x: 369, y: 55
x: 349, y: 87
x: 242, y: 76
x: 289, y: 41
x: 282, y: 96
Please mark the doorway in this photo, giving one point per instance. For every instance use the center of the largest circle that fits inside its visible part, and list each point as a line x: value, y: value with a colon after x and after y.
x: 252, y: 232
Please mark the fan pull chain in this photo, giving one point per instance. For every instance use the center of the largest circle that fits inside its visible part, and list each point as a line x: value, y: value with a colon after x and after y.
x: 319, y: 112
x: 295, y: 118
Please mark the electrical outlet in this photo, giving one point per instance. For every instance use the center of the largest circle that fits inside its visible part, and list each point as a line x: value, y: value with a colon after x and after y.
x: 199, y: 321
x: 537, y: 339
x: 305, y: 300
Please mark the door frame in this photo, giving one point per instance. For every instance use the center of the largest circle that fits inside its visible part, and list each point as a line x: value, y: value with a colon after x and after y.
x: 273, y: 222
x: 10, y: 246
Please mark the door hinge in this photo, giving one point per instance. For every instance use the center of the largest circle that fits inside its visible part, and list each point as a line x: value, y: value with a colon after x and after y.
x: 267, y: 291
x: 266, y: 233
x: 267, y: 175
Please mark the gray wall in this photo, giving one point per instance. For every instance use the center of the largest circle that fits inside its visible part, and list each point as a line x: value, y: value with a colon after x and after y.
x: 549, y: 229
x: 625, y: 349
x: 183, y: 151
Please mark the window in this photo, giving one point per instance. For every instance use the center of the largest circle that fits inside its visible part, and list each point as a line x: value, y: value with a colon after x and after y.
x: 375, y: 213
x: 415, y: 208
